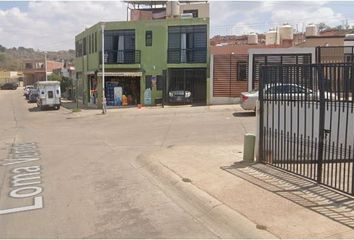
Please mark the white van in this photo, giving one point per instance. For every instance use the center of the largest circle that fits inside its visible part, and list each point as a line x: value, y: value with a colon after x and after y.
x: 48, y: 94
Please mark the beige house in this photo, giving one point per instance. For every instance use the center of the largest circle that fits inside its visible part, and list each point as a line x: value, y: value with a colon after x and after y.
x: 323, y: 41
x: 8, y: 76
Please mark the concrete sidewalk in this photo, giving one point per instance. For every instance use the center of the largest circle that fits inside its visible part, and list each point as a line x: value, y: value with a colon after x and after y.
x: 200, y: 166
x: 173, y: 109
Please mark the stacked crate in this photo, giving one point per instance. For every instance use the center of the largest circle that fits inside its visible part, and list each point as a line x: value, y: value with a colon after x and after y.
x: 109, y: 88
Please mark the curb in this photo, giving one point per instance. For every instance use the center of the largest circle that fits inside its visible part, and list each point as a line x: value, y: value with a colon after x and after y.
x: 220, y: 219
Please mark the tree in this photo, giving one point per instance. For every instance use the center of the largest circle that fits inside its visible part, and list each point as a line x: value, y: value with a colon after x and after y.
x: 339, y: 27
x: 2, y: 48
x: 65, y: 82
x: 54, y: 77
x: 2, y: 57
x: 322, y: 26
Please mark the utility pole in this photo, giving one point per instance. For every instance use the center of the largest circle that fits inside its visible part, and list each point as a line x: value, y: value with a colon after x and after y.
x: 103, y: 70
x: 77, y: 92
x: 45, y: 66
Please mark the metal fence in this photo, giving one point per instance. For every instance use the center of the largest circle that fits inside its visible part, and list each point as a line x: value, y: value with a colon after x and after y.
x: 306, y: 121
x: 190, y: 55
x: 335, y: 54
x: 128, y: 56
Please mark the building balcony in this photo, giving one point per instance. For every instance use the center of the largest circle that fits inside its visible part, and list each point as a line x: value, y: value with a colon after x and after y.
x: 192, y: 55
x: 121, y: 57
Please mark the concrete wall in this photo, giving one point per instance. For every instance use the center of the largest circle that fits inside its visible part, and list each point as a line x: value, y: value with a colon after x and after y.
x: 322, y: 41
x: 203, y: 8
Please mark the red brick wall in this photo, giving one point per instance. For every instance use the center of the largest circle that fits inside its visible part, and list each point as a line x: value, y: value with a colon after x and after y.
x: 51, y: 65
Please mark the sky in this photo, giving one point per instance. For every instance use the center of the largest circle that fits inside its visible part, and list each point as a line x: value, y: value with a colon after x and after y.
x: 52, y: 25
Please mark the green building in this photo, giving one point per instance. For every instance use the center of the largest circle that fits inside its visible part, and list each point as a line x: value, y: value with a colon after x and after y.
x: 147, y: 61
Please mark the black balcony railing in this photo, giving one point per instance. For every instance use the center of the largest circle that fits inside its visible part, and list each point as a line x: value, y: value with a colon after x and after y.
x: 121, y: 56
x: 192, y: 55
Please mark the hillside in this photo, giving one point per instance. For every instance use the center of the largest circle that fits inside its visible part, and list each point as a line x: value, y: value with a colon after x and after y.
x: 13, y: 58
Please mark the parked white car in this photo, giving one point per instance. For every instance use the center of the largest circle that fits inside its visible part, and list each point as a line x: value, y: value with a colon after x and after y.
x: 280, y: 91
x: 49, y: 95
x: 26, y: 90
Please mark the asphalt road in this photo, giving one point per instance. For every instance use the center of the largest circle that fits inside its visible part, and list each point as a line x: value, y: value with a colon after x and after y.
x: 69, y: 176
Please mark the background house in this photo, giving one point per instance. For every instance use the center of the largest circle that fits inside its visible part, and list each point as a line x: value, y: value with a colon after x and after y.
x: 9, y: 76
x: 236, y: 60
x: 35, y: 71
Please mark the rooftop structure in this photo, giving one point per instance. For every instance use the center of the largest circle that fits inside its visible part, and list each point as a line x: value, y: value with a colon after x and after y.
x: 150, y: 10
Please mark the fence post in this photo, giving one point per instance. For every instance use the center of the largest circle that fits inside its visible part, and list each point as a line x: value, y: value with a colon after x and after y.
x: 261, y: 116
x: 248, y: 146
x: 321, y: 122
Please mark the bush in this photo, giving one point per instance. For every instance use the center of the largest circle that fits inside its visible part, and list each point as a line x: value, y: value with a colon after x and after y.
x: 65, y: 83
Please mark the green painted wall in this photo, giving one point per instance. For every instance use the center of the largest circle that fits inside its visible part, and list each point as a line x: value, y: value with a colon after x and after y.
x: 153, y: 59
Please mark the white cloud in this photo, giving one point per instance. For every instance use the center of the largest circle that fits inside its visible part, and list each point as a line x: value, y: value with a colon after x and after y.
x: 323, y: 14
x: 245, y: 17
x: 52, y: 25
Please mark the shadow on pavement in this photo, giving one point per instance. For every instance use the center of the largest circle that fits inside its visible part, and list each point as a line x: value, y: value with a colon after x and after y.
x: 306, y: 193
x: 244, y: 114
x: 34, y: 109
x: 70, y: 105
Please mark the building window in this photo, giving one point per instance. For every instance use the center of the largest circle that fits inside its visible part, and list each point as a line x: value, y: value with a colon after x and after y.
x: 187, y: 44
x: 193, y: 12
x: 90, y: 44
x: 84, y: 47
x: 242, y: 69
x: 78, y: 48
x: 120, y: 47
x: 95, y: 41
x: 148, y: 38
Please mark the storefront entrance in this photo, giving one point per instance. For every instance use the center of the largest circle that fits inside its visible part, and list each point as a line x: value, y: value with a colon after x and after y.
x: 92, y: 93
x: 122, y: 91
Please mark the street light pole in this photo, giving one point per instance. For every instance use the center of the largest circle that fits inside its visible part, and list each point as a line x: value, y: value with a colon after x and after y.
x: 45, y: 66
x: 103, y: 70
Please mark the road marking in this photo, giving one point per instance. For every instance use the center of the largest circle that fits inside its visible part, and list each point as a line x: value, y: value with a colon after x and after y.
x: 37, y: 204
x: 26, y: 179
x: 16, y: 193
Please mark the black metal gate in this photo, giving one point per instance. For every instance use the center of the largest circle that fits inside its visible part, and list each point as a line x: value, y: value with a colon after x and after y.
x: 307, y: 121
x: 189, y: 79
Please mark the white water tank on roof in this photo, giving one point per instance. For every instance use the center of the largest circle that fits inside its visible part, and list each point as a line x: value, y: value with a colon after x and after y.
x: 349, y: 36
x: 311, y: 30
x: 286, y: 32
x: 349, y: 41
x: 271, y: 37
x: 252, y: 38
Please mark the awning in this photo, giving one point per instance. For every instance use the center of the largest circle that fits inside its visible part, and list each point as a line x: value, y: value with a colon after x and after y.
x: 121, y: 74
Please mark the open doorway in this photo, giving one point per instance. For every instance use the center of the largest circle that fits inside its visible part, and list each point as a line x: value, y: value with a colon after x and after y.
x: 122, y: 91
